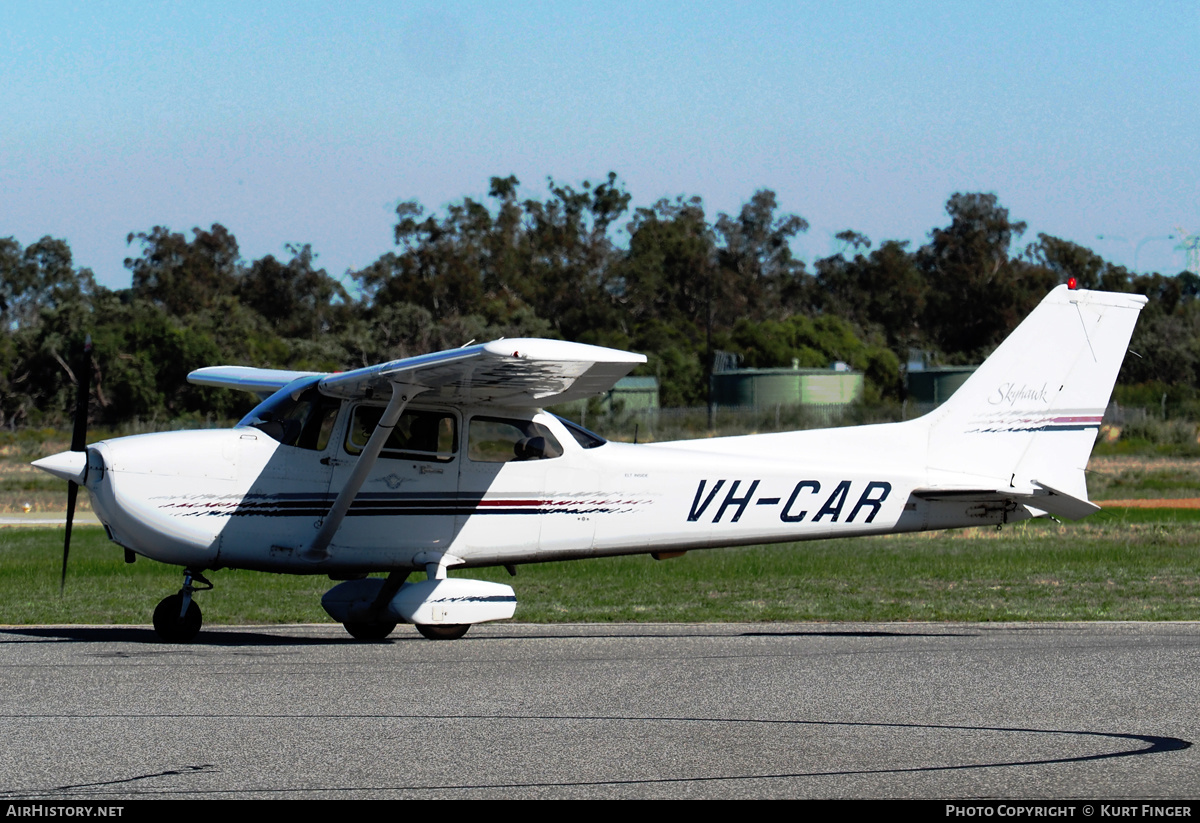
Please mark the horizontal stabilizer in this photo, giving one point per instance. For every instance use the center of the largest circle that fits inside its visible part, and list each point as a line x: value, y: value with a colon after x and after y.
x: 1040, y: 497
x: 1061, y: 503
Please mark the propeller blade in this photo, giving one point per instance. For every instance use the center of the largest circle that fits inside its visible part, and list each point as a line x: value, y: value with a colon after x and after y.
x: 72, y: 493
x: 83, y: 388
x: 78, y: 444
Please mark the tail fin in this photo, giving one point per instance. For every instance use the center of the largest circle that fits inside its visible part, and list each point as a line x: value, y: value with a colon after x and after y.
x: 1028, y: 417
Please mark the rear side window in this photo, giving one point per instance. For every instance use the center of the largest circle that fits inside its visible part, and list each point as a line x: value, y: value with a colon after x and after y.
x: 585, y: 438
x: 419, y: 435
x: 502, y: 440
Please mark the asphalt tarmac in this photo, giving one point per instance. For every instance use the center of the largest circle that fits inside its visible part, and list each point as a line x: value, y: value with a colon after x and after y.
x: 946, y: 711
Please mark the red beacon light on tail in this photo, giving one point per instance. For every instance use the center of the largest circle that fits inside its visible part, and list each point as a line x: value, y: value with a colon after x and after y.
x: 1072, y: 283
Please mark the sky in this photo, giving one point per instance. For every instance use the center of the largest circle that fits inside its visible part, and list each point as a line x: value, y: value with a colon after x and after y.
x: 294, y: 122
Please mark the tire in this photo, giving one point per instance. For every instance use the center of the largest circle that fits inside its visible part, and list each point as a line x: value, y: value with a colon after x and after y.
x: 443, y: 632
x: 369, y: 631
x: 171, y: 628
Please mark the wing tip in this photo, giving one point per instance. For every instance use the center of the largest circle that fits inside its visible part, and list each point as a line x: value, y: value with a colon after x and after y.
x: 537, y: 348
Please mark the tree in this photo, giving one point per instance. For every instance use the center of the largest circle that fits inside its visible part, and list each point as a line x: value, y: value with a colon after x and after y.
x: 669, y: 272
x: 39, y: 277
x: 551, y: 256
x: 760, y: 277
x: 814, y: 343
x: 571, y: 254
x: 45, y: 313
x: 884, y: 290
x: 1066, y: 260
x: 183, y: 276
x: 297, y: 299
x: 976, y: 292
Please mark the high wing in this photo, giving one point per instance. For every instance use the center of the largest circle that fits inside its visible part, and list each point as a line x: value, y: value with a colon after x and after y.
x: 524, y: 372
x: 247, y: 378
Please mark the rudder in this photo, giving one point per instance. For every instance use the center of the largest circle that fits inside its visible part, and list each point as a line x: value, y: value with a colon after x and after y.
x: 1030, y: 413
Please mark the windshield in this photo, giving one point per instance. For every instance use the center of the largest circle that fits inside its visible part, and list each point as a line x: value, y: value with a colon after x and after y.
x: 296, y: 415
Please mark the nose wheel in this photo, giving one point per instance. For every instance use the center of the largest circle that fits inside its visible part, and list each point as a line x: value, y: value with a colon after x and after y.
x: 177, y: 618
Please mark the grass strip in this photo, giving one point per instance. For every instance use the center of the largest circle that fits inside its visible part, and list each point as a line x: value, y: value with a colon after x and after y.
x: 1132, y: 564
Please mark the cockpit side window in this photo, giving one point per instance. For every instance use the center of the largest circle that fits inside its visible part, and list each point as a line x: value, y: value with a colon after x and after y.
x: 420, y: 434
x: 501, y: 440
x: 303, y: 418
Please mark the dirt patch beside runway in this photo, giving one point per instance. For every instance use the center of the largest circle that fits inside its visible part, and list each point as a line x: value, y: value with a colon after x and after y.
x: 1160, y: 503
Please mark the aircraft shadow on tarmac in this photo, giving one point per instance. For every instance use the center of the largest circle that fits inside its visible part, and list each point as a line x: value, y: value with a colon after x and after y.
x: 145, y: 635
x: 248, y: 636
x: 1126, y: 745
x: 1107, y: 745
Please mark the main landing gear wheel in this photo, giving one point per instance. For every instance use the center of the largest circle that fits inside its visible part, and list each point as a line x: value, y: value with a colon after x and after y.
x: 369, y: 631
x: 443, y: 632
x: 171, y: 626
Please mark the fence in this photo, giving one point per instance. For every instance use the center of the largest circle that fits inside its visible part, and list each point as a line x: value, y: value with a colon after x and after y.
x: 656, y: 425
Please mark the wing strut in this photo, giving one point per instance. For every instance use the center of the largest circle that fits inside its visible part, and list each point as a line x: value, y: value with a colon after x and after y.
x: 401, y: 394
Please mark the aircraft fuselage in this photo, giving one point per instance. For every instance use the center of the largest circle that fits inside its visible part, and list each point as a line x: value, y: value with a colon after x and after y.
x: 241, y: 498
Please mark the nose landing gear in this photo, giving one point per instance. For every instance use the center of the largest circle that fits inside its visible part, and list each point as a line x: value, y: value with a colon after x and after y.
x: 177, y: 618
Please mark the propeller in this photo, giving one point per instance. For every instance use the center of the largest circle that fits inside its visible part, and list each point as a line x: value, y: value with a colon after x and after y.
x: 78, y: 444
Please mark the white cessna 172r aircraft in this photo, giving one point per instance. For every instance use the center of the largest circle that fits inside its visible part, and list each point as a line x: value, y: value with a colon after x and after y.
x: 446, y: 460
